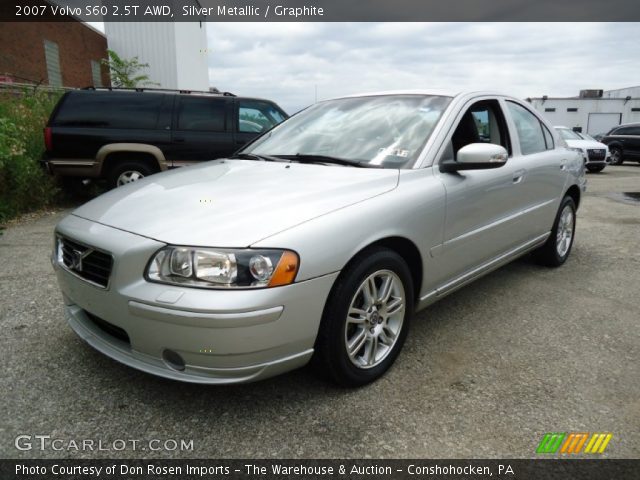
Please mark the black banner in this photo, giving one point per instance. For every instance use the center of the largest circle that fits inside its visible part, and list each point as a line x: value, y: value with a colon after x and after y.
x: 538, y: 469
x: 319, y: 10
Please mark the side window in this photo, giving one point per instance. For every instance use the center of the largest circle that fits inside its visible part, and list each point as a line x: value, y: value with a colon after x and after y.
x: 202, y: 114
x: 633, y: 131
x: 110, y: 110
x: 483, y: 122
x: 529, y: 129
x: 548, y: 138
x: 255, y: 116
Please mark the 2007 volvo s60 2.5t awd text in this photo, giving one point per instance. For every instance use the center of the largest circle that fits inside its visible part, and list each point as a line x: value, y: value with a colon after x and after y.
x: 320, y: 239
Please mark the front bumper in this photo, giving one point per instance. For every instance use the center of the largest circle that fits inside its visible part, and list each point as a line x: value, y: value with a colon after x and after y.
x: 221, y: 336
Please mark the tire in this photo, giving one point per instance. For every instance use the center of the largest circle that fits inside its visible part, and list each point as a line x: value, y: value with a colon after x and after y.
x: 596, y: 169
x: 128, y: 172
x: 556, y: 250
x: 616, y: 156
x: 369, y: 324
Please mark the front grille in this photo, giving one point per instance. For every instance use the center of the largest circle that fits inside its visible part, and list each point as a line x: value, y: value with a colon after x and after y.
x: 109, y: 328
x: 86, y: 262
x: 597, y: 154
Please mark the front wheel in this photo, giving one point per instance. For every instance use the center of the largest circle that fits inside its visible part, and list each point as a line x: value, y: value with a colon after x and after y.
x: 558, y: 246
x: 366, y: 319
x: 128, y: 172
x: 616, y: 156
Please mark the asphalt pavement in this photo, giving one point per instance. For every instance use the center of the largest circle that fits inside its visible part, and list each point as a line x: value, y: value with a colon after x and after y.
x: 485, y: 373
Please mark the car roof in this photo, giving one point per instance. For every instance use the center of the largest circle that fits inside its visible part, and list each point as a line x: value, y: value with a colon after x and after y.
x: 160, y: 91
x: 633, y: 124
x: 435, y: 92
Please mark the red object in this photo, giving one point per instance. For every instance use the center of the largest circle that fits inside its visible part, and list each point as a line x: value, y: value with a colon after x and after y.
x: 48, y: 139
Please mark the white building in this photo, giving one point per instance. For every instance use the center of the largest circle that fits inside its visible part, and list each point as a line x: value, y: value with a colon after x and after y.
x: 175, y: 51
x: 594, y: 111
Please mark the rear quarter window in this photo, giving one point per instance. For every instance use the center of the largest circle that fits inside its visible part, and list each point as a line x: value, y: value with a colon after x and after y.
x: 110, y: 110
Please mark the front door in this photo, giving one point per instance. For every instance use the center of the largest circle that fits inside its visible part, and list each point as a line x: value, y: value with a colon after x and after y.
x: 482, y: 206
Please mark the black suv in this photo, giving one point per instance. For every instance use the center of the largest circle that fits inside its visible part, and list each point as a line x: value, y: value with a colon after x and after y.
x: 122, y: 135
x: 624, y: 143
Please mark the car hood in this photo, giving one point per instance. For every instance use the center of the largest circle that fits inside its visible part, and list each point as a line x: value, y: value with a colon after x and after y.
x: 233, y: 203
x: 586, y: 144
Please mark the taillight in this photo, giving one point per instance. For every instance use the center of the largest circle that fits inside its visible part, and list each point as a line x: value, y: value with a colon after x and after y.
x: 48, y: 139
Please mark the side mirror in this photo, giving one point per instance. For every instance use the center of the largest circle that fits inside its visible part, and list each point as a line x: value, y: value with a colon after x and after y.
x: 477, y: 156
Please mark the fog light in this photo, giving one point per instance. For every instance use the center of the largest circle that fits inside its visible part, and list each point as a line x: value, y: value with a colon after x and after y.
x: 173, y: 360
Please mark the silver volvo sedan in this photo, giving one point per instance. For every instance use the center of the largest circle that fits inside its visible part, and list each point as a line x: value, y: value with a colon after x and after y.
x: 319, y: 240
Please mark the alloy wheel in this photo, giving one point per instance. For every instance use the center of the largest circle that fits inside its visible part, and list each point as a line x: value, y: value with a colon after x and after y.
x: 374, y: 320
x: 565, y: 231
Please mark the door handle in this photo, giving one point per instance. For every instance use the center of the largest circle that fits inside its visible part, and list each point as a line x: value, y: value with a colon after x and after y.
x: 179, y: 139
x: 518, y: 175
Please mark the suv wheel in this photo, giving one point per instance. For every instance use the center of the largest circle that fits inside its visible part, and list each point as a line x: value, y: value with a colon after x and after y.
x: 557, y: 248
x: 616, y: 156
x: 366, y: 319
x: 128, y: 172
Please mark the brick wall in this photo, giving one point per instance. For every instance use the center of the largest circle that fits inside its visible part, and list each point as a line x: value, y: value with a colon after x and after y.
x: 22, y: 51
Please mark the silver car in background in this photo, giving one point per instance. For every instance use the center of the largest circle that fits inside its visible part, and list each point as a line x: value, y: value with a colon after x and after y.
x: 319, y: 240
x: 596, y: 154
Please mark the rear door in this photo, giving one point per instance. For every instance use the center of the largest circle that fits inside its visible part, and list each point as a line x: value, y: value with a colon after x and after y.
x: 542, y: 166
x: 202, y: 129
x: 254, y: 117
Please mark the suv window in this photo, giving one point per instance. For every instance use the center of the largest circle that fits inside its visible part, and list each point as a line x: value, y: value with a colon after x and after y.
x: 202, y: 114
x: 255, y: 116
x: 627, y: 131
x: 110, y: 110
x: 529, y: 129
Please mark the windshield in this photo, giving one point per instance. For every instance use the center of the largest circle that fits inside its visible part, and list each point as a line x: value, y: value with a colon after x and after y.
x: 568, y: 134
x: 387, y: 131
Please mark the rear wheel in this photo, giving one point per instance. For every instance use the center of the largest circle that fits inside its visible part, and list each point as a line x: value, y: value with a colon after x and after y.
x: 128, y: 172
x: 366, y: 319
x: 616, y: 155
x: 557, y: 248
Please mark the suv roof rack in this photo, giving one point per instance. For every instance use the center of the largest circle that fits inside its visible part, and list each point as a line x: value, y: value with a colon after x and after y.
x: 155, y: 89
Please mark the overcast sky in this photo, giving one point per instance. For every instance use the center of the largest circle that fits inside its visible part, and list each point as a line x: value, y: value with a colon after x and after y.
x: 287, y: 61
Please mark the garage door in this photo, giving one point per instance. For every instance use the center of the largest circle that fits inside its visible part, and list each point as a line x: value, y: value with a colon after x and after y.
x: 602, y: 122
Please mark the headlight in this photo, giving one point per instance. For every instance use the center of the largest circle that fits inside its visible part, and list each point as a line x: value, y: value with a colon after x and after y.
x: 213, y: 268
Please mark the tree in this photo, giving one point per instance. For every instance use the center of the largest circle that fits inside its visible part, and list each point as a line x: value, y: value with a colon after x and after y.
x: 126, y: 73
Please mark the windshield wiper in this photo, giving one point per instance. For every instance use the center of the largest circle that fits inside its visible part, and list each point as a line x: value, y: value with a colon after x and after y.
x: 254, y: 156
x: 313, y: 158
